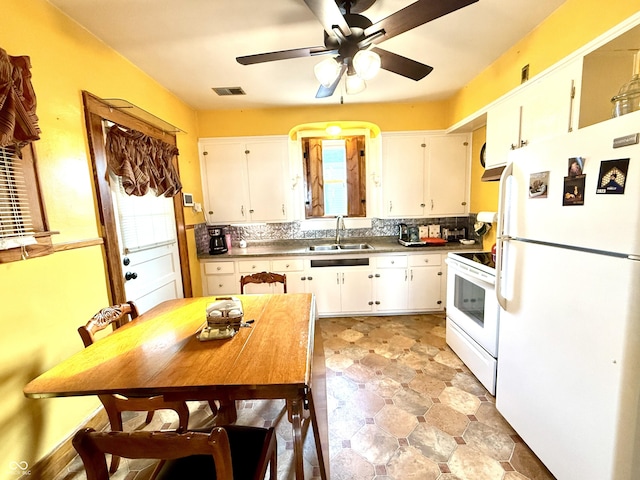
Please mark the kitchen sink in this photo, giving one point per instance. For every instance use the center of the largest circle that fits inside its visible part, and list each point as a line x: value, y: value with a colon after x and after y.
x: 356, y: 246
x: 322, y: 248
x: 337, y: 247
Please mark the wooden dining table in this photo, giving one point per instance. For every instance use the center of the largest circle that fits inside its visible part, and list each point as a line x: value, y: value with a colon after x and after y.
x: 278, y: 356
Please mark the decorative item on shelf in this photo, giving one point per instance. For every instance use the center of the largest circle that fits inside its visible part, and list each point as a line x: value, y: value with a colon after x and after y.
x: 628, y: 98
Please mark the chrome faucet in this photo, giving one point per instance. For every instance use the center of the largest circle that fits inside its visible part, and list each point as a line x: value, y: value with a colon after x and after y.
x: 339, y: 225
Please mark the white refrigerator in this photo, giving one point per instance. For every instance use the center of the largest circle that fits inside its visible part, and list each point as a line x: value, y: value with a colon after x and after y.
x: 568, y: 281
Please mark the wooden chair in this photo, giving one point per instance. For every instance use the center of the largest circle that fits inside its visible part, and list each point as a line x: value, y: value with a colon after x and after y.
x: 263, y: 277
x: 233, y: 452
x: 114, y: 405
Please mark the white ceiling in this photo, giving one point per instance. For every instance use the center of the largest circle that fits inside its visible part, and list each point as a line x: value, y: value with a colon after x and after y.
x: 190, y: 46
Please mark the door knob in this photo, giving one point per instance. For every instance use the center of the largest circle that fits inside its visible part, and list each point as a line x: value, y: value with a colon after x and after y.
x: 130, y: 276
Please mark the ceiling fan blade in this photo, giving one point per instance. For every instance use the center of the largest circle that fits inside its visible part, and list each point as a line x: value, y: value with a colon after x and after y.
x: 413, y: 16
x: 329, y: 15
x: 284, y: 55
x: 324, y: 92
x: 402, y: 65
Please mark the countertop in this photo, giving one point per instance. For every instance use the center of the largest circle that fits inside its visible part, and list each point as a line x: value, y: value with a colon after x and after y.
x: 278, y: 248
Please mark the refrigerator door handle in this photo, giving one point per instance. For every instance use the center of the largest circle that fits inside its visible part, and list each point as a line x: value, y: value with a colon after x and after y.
x: 500, y: 234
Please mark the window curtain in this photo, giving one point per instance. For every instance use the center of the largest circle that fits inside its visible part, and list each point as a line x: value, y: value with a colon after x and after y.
x: 18, y: 127
x: 143, y: 162
x: 18, y: 120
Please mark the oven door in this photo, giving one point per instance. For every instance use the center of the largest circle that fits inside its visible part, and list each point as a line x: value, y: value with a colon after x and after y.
x: 472, y: 306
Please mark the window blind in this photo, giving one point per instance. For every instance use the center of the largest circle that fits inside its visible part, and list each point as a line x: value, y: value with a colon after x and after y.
x: 16, y: 228
x: 145, y: 221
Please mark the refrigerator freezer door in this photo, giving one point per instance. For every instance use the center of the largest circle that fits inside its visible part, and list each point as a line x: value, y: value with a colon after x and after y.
x: 569, y: 367
x: 607, y: 222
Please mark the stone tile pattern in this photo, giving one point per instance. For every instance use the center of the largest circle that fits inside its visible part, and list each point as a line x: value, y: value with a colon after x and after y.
x: 401, y: 406
x: 292, y: 231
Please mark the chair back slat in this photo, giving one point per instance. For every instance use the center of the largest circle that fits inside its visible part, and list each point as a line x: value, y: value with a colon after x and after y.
x: 264, y: 277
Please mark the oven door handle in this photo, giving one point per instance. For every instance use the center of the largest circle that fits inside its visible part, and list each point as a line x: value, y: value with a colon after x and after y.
x: 501, y: 238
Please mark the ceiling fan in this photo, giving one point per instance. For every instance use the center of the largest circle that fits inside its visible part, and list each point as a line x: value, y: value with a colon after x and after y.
x: 352, y: 38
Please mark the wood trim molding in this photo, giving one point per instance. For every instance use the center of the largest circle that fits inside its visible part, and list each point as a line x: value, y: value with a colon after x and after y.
x: 56, y: 461
x: 63, y: 247
x: 95, y: 111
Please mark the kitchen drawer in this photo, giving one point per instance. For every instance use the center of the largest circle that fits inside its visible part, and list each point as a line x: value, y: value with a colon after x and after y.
x: 426, y: 260
x: 392, y: 261
x: 253, y: 266
x: 222, y: 284
x: 215, y: 268
x: 287, y: 265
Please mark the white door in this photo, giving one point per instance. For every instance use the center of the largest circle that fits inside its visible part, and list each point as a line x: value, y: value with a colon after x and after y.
x: 148, y: 246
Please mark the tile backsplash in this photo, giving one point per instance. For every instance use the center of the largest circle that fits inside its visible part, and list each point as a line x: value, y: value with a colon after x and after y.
x: 265, y: 232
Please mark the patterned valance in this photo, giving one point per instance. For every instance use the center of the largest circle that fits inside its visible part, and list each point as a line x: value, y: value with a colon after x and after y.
x: 18, y: 120
x: 143, y: 162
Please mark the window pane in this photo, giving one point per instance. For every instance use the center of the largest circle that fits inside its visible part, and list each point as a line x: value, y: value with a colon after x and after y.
x: 334, y: 170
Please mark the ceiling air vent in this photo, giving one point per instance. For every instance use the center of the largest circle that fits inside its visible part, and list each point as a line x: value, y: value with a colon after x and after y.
x: 225, y: 91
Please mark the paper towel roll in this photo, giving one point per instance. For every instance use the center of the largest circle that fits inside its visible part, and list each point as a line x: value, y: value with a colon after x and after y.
x: 487, y: 217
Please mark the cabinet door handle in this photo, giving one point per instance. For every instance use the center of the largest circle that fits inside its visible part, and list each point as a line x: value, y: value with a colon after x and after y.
x: 390, y: 206
x: 251, y: 210
x: 338, y: 278
x: 377, y: 275
x: 283, y: 209
x: 377, y: 302
x: 439, y: 273
x: 242, y: 210
x: 370, y: 303
x: 303, y: 278
x: 309, y: 278
x: 371, y: 276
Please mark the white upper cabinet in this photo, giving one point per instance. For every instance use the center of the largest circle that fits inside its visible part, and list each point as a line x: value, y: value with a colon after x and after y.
x: 547, y: 106
x: 244, y: 179
x: 425, y: 174
x: 403, y: 171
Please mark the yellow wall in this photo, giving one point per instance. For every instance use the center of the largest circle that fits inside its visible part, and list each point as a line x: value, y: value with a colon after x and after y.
x: 44, y: 300
x: 571, y: 26
x: 279, y: 121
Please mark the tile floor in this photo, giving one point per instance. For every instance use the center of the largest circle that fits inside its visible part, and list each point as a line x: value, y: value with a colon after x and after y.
x: 401, y: 404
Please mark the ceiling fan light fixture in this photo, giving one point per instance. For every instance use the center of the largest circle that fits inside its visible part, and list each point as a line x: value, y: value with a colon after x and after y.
x: 327, y: 71
x: 366, y: 64
x: 354, y: 84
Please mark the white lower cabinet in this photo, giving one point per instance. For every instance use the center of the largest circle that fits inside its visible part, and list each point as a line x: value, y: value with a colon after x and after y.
x: 391, y: 283
x: 219, y: 278
x: 425, y: 277
x: 387, y: 284
x: 294, y: 270
x: 341, y: 289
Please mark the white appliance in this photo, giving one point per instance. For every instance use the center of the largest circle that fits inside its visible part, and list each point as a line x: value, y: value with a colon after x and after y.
x: 473, y: 313
x: 568, y: 281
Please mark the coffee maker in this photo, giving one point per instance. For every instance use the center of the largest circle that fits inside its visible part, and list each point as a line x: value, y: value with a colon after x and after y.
x: 217, y: 242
